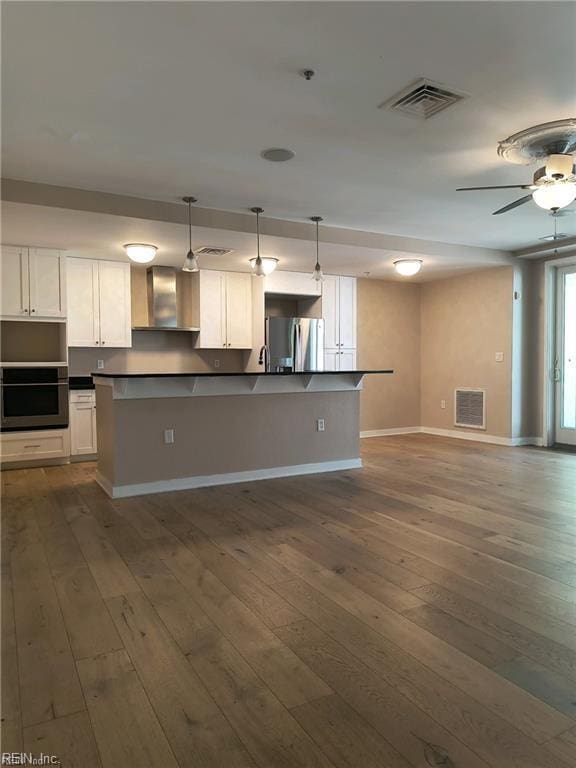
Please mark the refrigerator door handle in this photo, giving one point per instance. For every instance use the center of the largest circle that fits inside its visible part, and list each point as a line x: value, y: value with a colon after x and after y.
x: 298, y: 366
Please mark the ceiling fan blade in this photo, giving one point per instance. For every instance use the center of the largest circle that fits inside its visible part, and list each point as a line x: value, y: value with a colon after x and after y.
x: 515, y: 204
x: 505, y: 186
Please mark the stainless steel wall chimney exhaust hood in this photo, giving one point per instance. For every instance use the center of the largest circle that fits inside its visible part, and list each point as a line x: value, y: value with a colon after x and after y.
x: 169, y: 298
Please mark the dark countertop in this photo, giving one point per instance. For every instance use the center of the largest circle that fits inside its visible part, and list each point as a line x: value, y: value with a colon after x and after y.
x: 81, y: 382
x: 164, y: 374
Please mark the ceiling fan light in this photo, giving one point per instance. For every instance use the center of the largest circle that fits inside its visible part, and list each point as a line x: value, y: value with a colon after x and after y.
x: 555, y: 195
x: 141, y: 253
x: 263, y: 265
x: 191, y: 263
x: 408, y: 267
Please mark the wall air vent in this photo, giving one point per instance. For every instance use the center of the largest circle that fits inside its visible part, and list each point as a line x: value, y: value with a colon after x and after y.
x: 212, y: 250
x: 470, y: 408
x: 423, y: 99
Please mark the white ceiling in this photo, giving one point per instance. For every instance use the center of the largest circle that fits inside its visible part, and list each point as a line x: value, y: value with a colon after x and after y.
x: 159, y: 100
x: 101, y: 236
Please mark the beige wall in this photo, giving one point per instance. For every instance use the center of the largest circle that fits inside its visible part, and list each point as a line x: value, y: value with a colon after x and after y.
x: 389, y: 337
x: 465, y: 321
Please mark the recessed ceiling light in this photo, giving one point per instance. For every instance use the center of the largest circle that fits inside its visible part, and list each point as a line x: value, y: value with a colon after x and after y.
x: 277, y: 154
x: 141, y: 253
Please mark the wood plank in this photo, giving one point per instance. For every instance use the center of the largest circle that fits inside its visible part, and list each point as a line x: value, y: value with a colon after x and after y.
x: 564, y: 746
x: 126, y: 728
x: 107, y: 567
x: 344, y: 737
x: 70, y: 739
x: 458, y: 712
x: 474, y: 643
x: 90, y: 628
x: 269, y: 732
x: 196, y: 729
x: 290, y: 679
x: 528, y: 714
x: 409, y: 729
x: 537, y: 680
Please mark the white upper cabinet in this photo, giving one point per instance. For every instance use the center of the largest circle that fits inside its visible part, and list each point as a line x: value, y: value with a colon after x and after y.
x: 99, y: 303
x: 330, y: 311
x: 115, y: 304
x: 33, y: 283
x: 83, y: 306
x: 339, y: 314
x: 292, y: 284
x: 347, y: 312
x: 239, y: 310
x: 222, y: 307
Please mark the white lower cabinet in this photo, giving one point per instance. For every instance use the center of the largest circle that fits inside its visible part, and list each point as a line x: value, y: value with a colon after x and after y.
x: 35, y: 445
x: 83, y: 423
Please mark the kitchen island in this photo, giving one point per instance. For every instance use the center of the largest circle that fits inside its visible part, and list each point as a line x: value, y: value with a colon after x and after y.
x: 170, y: 431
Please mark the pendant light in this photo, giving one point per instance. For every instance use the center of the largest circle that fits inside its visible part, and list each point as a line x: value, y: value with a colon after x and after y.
x: 261, y: 265
x: 317, y: 273
x: 191, y: 262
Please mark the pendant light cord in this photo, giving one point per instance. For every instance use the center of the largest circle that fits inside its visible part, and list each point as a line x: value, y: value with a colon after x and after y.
x: 317, y: 246
x: 189, y: 225
x: 258, y: 235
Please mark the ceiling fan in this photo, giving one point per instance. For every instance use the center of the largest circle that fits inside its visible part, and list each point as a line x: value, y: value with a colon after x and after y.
x: 554, y: 185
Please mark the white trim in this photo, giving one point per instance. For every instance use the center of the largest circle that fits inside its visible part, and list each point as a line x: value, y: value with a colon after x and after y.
x: 138, y: 387
x: 455, y: 433
x: 548, y: 387
x: 393, y: 431
x: 202, y: 481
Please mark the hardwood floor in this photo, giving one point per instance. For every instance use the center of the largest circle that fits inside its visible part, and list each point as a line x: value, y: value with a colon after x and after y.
x: 419, y: 612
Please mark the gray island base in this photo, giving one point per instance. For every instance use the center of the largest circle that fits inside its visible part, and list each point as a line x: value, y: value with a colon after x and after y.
x: 166, y: 432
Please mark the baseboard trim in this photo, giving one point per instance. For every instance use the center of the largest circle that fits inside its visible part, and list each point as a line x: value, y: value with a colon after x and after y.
x: 203, y: 481
x: 478, y: 437
x: 393, y: 431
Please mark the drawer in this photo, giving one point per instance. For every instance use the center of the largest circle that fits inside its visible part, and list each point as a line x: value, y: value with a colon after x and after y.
x: 39, y: 444
x: 83, y: 396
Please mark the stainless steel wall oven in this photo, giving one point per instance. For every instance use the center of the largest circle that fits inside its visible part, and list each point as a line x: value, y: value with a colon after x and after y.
x: 34, y: 398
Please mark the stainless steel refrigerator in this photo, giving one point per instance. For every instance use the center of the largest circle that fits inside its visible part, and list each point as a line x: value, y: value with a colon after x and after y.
x: 294, y: 344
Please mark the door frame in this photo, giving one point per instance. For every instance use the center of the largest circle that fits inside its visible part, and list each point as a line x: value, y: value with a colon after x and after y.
x: 550, y: 324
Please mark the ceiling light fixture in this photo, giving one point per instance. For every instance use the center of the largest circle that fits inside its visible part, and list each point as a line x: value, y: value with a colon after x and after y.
x: 261, y: 265
x: 191, y: 262
x: 141, y: 253
x: 555, y: 194
x: 408, y: 267
x: 317, y: 273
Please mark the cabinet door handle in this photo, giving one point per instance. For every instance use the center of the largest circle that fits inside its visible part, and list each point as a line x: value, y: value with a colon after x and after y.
x: 36, y: 445
x: 32, y: 310
x: 102, y: 342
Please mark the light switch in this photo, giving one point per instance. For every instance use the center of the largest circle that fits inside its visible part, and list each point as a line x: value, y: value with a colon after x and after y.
x: 168, y: 436
x: 100, y: 364
x: 499, y: 357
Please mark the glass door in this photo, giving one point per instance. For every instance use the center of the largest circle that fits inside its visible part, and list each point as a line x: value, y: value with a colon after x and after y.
x: 565, y: 362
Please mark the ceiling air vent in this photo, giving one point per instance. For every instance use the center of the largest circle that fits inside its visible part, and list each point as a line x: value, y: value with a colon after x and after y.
x: 212, y: 250
x: 470, y: 408
x: 423, y: 99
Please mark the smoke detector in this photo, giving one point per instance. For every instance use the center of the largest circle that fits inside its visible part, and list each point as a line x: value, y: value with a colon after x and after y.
x: 423, y: 99
x: 213, y: 250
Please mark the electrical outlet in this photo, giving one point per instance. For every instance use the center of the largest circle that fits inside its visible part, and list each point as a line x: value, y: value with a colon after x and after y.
x: 443, y: 404
x: 320, y: 425
x: 216, y: 363
x: 100, y: 364
x: 499, y: 357
x: 168, y: 436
